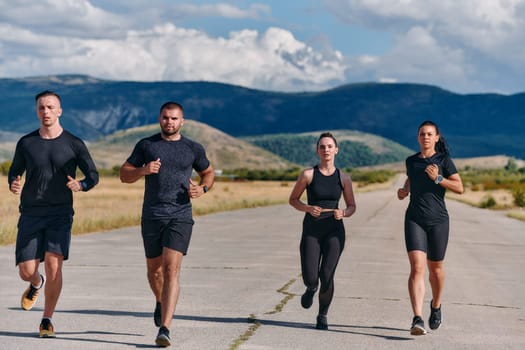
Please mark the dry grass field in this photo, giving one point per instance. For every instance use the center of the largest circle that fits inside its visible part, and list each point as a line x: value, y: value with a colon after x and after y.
x: 503, y: 198
x: 112, y: 204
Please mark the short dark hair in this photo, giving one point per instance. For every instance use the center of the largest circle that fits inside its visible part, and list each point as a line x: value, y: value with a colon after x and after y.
x: 47, y: 93
x: 326, y: 134
x: 171, y: 105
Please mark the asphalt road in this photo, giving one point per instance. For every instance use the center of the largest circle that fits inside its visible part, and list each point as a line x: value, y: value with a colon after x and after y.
x: 241, y: 286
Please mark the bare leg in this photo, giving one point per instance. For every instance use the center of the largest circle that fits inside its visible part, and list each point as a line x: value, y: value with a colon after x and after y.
x: 416, y: 281
x: 155, y: 276
x: 437, y: 281
x: 28, y: 271
x: 53, y: 265
x: 171, y: 263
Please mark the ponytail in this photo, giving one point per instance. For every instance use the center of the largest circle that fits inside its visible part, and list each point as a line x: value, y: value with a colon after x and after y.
x: 441, y: 145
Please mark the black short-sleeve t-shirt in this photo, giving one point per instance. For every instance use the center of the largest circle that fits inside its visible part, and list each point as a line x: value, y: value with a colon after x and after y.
x: 427, y: 199
x: 166, y: 193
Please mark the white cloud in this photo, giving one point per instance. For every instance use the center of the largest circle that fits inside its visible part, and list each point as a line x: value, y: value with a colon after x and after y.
x: 464, y: 46
x: 221, y: 10
x: 456, y: 44
x: 272, y: 60
x: 426, y: 60
x: 62, y: 18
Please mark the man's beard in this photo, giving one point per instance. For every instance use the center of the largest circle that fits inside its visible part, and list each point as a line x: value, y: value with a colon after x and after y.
x: 169, y: 133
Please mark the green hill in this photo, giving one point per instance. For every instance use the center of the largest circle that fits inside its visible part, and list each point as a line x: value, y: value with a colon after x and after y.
x: 355, y: 148
x: 224, y: 151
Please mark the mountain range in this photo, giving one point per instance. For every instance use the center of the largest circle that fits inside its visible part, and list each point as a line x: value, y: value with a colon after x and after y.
x: 474, y: 124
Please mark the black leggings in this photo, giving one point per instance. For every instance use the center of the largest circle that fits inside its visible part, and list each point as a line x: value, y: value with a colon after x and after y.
x: 321, y: 246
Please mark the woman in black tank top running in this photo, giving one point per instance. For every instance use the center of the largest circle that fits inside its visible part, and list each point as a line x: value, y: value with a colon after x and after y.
x: 429, y: 173
x: 323, y: 235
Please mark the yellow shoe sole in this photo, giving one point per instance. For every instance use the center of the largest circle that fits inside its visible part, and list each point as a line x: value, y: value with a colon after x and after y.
x: 26, y: 303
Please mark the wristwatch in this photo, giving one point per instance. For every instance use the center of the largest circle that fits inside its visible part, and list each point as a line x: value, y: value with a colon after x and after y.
x: 438, y: 179
x: 205, y: 188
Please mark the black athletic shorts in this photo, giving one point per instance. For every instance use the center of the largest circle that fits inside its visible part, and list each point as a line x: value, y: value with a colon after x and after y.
x: 40, y: 234
x: 170, y: 233
x: 431, y: 239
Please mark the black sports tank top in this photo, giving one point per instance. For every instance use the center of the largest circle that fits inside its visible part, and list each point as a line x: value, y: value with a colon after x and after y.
x: 325, y: 191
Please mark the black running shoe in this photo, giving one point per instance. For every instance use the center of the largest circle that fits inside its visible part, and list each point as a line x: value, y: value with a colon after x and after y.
x: 434, y: 321
x: 46, y: 329
x: 418, y: 326
x: 322, y: 323
x: 163, y: 337
x: 308, y: 298
x: 156, y: 315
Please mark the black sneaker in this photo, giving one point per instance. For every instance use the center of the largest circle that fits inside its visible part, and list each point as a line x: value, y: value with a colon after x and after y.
x: 46, y: 329
x: 156, y: 315
x: 163, y: 337
x: 308, y: 298
x: 322, y: 323
x: 418, y: 326
x: 434, y: 321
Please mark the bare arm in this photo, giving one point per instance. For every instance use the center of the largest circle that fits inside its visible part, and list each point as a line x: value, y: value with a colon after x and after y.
x: 130, y: 173
x: 453, y: 183
x: 404, y: 191
x: 300, y: 186
x: 207, y: 177
x: 348, y: 195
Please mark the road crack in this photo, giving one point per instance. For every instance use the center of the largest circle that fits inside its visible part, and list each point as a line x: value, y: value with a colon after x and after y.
x: 255, y: 323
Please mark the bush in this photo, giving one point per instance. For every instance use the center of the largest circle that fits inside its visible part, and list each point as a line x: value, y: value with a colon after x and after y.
x: 263, y: 175
x: 490, y: 202
x: 511, y: 165
x: 4, y: 167
x: 371, y: 176
x: 519, y: 197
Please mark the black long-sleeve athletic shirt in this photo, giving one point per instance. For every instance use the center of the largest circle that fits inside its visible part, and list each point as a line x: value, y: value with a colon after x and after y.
x: 47, y: 162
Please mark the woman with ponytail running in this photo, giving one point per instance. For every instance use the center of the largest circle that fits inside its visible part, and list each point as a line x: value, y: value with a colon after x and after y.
x: 430, y: 172
x: 323, y: 236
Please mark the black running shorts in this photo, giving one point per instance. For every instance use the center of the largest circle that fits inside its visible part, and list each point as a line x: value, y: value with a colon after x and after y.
x: 432, y: 239
x: 170, y: 233
x: 40, y: 234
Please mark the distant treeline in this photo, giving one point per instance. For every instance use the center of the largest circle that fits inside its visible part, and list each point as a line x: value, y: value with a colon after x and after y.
x: 363, y: 177
x: 244, y: 174
x: 301, y: 150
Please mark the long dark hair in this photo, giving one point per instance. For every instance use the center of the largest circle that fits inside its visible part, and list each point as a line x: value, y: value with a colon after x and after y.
x: 441, y: 145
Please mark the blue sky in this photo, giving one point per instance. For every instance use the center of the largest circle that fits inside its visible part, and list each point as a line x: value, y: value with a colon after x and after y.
x: 468, y: 46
